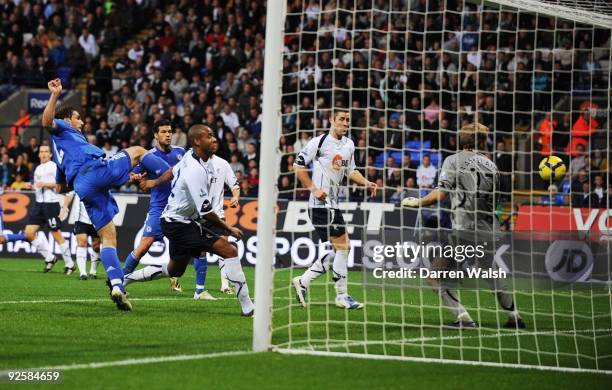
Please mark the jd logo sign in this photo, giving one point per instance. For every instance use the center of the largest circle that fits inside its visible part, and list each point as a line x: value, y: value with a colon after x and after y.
x: 569, y: 261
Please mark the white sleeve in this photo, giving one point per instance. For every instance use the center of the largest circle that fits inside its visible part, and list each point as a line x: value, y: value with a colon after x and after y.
x: 307, y: 154
x: 196, y: 181
x: 230, y: 177
x: 51, y: 175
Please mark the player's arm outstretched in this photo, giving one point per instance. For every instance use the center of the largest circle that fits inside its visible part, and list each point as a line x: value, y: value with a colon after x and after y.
x: 446, y: 182
x: 55, y: 86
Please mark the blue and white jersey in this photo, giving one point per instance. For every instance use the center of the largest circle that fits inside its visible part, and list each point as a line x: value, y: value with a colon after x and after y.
x: 71, y: 150
x: 160, y: 193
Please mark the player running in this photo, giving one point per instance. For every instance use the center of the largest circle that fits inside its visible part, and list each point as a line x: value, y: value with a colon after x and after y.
x: 189, y: 222
x: 223, y: 175
x: 84, y: 167
x: 332, y: 158
x: 45, y: 211
x: 83, y: 229
x: 162, y: 132
x: 469, y: 178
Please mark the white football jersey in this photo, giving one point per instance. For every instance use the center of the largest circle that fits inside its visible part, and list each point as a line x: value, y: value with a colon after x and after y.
x: 333, y: 160
x: 189, y: 199
x: 82, y: 215
x: 223, y: 174
x: 45, y: 173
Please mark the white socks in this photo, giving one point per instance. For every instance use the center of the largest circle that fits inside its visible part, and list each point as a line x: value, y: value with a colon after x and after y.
x: 224, y: 282
x: 81, y: 260
x: 234, y: 273
x: 95, y: 257
x: 146, y: 274
x: 340, y: 270
x: 43, y: 248
x: 318, y: 268
x: 65, y: 249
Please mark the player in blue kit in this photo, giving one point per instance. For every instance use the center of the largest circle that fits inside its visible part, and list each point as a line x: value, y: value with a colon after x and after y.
x: 159, y: 196
x: 84, y: 167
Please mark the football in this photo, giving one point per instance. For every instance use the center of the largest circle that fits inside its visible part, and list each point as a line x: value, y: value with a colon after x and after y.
x: 552, y: 168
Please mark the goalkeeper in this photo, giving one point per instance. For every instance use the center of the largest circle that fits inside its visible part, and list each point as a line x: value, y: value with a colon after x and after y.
x: 469, y: 179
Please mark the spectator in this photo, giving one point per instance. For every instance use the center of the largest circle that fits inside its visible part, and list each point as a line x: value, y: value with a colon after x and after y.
x: 579, y: 161
x: 179, y: 138
x: 230, y: 118
x: 109, y: 149
x: 19, y: 184
x: 245, y: 190
x: 103, y: 134
x: 584, y: 197
x: 285, y: 188
x: 244, y: 139
x: 553, y: 197
x: 178, y: 85
x: 89, y: 44
x: 32, y: 151
x: 17, y: 148
x: 7, y: 171
x: 503, y: 160
x: 21, y: 167
x: 598, y: 196
x: 426, y: 173
x: 123, y: 131
x: 251, y: 153
x: 235, y: 163
x: 577, y: 187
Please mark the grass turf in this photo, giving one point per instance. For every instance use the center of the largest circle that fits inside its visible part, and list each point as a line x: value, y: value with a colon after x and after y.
x: 51, y: 319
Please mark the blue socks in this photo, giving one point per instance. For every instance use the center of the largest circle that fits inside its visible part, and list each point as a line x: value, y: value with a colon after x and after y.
x: 15, y: 237
x: 109, y: 258
x: 152, y: 163
x: 201, y: 266
x: 131, y: 262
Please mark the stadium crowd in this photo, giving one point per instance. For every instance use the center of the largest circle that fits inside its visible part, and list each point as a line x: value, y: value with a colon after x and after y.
x: 410, y: 80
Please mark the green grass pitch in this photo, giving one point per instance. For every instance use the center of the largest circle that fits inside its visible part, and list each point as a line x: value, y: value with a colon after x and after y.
x: 49, y: 320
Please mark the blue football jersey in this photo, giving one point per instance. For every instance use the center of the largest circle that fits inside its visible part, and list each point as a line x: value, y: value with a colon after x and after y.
x: 160, y: 193
x: 71, y: 150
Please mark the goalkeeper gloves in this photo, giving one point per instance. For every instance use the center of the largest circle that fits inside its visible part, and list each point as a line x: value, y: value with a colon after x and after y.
x: 410, y: 202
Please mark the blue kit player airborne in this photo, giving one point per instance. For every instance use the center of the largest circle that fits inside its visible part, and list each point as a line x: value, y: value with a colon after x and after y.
x: 84, y: 167
x: 159, y: 196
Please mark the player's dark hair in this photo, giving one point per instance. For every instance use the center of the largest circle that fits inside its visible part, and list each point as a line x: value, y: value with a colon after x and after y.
x: 338, y: 111
x: 64, y: 112
x: 473, y: 136
x: 160, y: 123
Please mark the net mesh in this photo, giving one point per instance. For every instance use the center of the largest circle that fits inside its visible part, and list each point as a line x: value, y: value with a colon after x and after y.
x: 411, y: 73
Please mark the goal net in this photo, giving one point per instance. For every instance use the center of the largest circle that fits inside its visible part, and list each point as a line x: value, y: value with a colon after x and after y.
x: 411, y: 74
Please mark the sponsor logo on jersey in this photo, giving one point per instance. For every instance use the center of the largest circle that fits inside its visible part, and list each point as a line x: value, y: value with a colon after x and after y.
x: 338, y: 162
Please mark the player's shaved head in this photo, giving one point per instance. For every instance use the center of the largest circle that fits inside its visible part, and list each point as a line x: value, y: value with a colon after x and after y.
x: 196, y: 131
x: 473, y: 136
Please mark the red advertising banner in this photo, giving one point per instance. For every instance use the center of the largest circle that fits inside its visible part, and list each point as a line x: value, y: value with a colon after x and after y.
x: 552, y: 218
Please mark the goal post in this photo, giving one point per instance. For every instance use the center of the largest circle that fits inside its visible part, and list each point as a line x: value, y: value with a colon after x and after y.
x: 266, y: 220
x: 411, y: 74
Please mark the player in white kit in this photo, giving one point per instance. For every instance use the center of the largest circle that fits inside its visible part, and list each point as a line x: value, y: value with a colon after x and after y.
x: 45, y: 211
x: 223, y: 175
x: 332, y: 156
x: 83, y: 229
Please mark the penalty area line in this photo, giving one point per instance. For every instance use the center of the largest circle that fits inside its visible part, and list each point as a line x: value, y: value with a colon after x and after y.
x: 136, y: 361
